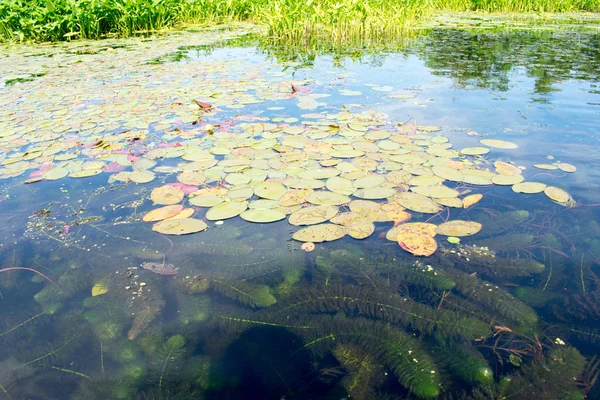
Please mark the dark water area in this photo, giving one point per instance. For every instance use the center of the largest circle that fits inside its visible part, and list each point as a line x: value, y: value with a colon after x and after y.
x: 99, y: 301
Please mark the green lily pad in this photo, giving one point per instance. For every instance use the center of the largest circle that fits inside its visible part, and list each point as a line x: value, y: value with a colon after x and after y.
x: 262, y: 216
x: 226, y: 210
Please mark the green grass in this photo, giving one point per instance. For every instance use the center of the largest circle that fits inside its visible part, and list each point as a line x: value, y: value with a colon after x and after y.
x: 337, y: 20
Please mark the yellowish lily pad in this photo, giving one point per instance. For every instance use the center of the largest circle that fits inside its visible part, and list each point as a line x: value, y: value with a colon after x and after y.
x: 458, y: 228
x: 179, y: 226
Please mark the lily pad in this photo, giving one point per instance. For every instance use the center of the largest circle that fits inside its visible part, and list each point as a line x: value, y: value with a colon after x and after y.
x: 166, y: 195
x: 529, y: 187
x: 162, y: 213
x: 206, y: 201
x: 270, y: 190
x: 417, y: 244
x: 294, y: 197
x: 226, y: 210
x: 262, y: 216
x: 374, y: 193
x: 320, y: 233
x: 474, y: 151
x: 458, y: 228
x: 340, y: 185
x: 141, y: 176
x: 313, y: 215
x: 55, y: 173
x: 567, y: 167
x: 328, y: 198
x: 507, y: 180
x: 439, y: 191
x: 471, y: 200
x: 557, y: 194
x: 417, y: 202
x: 499, y: 144
x: 179, y: 226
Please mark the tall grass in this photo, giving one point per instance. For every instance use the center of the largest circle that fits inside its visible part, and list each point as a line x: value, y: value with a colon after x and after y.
x: 338, y: 20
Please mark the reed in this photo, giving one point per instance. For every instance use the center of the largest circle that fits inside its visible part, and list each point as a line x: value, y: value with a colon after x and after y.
x: 338, y: 21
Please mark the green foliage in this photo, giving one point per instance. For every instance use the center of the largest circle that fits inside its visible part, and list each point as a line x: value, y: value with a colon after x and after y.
x: 246, y: 293
x: 506, y: 243
x: 411, y: 364
x: 427, y: 276
x: 364, y: 373
x: 169, y: 357
x: 354, y: 300
x: 193, y: 309
x: 293, y: 20
x: 495, y: 224
x: 466, y: 362
x: 494, y: 297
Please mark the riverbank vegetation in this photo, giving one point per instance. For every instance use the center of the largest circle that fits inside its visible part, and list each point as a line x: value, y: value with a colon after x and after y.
x: 338, y: 20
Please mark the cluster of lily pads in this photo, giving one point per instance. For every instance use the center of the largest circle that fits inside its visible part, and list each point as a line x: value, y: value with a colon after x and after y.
x: 335, y: 174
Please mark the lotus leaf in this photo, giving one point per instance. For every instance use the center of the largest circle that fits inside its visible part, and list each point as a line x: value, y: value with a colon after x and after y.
x: 193, y: 178
x: 458, y: 228
x: 226, y: 210
x: 313, y: 215
x: 179, y: 226
x: 477, y: 177
x: 426, y: 180
x: 320, y: 233
x: 263, y: 204
x: 240, y: 192
x: 319, y: 173
x: 422, y: 228
x: 185, y: 213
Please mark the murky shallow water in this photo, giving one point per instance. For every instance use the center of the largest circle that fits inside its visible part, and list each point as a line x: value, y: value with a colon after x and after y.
x: 117, y: 310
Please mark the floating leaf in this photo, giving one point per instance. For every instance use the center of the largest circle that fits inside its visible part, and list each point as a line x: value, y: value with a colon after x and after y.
x: 320, y: 233
x: 300, y: 183
x: 179, y: 226
x: 313, y: 215
x: 328, y: 198
x: 141, y: 176
x: 474, y: 151
x: 422, y: 228
x: 417, y: 244
x: 166, y: 195
x: 360, y: 229
x: 529, y: 187
x: 417, y: 202
x: 440, y: 191
x: 567, y: 167
x: 449, y: 202
x: 226, y: 210
x: 507, y: 180
x: 549, y: 167
x: 499, y: 144
x: 374, y: 193
x: 55, y: 173
x: 206, y: 201
x: 453, y: 240
x: 262, y: 216
x: 294, y: 197
x: 504, y: 168
x: 458, y: 228
x: 85, y: 173
x: 340, y: 185
x: 270, y: 190
x: 99, y: 289
x: 162, y: 213
x: 557, y: 194
x: 471, y: 200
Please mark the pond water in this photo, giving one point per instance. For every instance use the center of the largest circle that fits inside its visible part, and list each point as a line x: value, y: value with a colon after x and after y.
x: 202, y: 215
